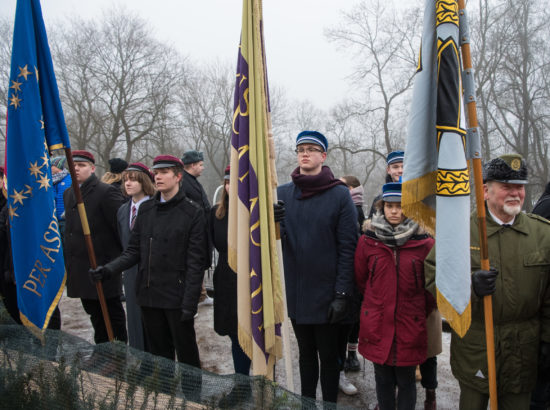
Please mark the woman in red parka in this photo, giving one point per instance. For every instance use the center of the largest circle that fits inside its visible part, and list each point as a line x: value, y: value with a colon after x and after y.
x: 389, y: 271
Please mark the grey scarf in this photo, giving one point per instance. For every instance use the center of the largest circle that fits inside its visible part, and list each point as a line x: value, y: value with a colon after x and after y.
x: 390, y: 235
x: 56, y: 178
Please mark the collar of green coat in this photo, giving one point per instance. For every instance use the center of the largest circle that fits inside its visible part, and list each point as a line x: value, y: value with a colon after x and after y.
x: 519, y: 225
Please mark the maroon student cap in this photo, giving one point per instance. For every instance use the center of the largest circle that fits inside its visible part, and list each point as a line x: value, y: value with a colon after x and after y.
x: 83, y: 156
x: 166, y: 161
x: 227, y: 172
x: 141, y: 167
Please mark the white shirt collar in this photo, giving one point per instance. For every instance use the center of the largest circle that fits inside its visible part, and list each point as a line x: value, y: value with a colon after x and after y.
x: 137, y: 204
x: 498, y: 221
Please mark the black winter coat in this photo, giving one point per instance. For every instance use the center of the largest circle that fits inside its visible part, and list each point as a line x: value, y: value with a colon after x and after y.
x: 225, y: 280
x: 168, y: 243
x: 542, y: 207
x: 101, y: 202
x: 194, y: 191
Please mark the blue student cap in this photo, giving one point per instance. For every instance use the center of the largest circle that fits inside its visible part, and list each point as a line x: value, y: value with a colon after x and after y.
x: 395, y: 156
x: 312, y: 137
x: 391, y: 192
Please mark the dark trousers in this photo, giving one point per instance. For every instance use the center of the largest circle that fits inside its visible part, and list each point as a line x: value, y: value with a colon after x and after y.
x: 540, y: 398
x: 241, y: 362
x: 471, y: 399
x: 354, y: 333
x: 318, y: 342
x: 55, y: 319
x: 167, y: 336
x: 428, y: 370
x: 116, y: 315
x: 387, y: 379
x: 343, y: 345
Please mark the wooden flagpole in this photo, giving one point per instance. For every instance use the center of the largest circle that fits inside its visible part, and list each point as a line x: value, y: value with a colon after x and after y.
x: 480, y: 203
x: 88, y: 240
x: 285, y: 332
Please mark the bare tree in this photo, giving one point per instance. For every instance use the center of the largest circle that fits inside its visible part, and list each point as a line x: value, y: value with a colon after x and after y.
x: 384, y: 41
x: 116, y: 83
x: 79, y: 90
x: 6, y: 30
x: 487, y: 49
x: 513, y: 89
x: 205, y: 104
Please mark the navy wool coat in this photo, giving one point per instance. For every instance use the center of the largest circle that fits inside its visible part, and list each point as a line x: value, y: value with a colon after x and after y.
x: 319, y: 235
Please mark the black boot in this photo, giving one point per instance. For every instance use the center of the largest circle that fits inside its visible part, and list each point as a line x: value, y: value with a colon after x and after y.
x: 430, y: 403
x: 352, y: 363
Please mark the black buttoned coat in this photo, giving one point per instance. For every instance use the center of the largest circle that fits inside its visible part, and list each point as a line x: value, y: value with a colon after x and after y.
x: 101, y: 202
x: 194, y: 191
x: 167, y: 243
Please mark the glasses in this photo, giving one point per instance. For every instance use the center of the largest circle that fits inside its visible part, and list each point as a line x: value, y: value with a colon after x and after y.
x: 309, y: 150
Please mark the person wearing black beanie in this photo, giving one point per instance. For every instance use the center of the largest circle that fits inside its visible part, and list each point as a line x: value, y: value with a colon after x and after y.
x: 114, y: 175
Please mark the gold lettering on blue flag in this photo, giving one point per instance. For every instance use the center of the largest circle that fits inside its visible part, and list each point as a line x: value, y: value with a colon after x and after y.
x: 36, y: 122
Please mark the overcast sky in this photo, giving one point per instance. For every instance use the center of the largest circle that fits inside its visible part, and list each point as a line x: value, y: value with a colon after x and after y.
x: 299, y: 58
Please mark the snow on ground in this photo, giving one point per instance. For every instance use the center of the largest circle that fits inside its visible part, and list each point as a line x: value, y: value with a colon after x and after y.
x: 215, y: 353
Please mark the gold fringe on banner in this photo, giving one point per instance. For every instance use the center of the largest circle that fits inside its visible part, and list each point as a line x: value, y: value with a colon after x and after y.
x: 413, y: 194
x: 460, y: 323
x: 245, y: 341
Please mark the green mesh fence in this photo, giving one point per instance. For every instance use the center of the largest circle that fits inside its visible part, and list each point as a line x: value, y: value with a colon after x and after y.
x: 67, y: 372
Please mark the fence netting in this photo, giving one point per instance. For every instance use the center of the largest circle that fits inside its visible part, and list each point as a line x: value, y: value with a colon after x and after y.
x: 67, y: 372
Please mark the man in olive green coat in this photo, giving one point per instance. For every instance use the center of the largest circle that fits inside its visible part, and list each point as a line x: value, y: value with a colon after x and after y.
x: 519, y: 255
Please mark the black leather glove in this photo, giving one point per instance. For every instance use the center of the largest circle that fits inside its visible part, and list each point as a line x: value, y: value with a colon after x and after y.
x: 544, y: 360
x: 100, y: 273
x: 186, y: 315
x: 337, y: 310
x: 279, y: 211
x: 484, y: 282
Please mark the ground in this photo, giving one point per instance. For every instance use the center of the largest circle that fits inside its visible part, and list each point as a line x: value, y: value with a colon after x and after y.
x: 215, y: 353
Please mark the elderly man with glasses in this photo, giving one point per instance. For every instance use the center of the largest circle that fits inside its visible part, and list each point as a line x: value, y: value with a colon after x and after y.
x: 319, y: 235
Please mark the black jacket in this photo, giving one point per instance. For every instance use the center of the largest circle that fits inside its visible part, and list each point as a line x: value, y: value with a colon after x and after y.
x: 167, y: 242
x: 194, y: 191
x: 225, y: 280
x: 101, y: 202
x: 542, y: 207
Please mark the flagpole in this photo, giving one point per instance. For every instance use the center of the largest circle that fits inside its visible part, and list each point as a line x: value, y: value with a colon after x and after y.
x: 88, y: 240
x: 480, y: 201
x: 274, y: 182
x: 284, y: 326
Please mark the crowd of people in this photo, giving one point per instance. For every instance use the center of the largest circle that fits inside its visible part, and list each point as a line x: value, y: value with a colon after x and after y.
x: 353, y: 284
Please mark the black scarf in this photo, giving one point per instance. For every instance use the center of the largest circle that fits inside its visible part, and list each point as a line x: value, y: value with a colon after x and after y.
x: 311, y: 185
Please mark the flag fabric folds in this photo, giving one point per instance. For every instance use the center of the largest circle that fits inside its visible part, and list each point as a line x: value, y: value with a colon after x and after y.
x: 436, y: 184
x: 36, y: 126
x: 251, y: 237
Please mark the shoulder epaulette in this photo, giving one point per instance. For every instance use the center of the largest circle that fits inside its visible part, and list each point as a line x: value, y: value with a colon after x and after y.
x: 538, y: 217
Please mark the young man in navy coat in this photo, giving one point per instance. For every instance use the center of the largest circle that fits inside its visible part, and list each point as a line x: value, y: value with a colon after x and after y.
x: 319, y: 235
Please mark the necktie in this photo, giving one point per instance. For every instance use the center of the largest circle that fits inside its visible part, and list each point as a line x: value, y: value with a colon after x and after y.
x: 133, y: 218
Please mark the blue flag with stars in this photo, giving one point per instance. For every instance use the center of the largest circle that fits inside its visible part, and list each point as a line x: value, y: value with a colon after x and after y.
x: 36, y: 126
